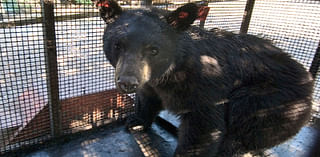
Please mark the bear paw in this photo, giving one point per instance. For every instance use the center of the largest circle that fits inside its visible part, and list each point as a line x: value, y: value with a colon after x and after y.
x: 135, y: 123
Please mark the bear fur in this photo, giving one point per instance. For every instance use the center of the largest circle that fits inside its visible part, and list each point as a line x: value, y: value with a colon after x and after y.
x: 234, y: 93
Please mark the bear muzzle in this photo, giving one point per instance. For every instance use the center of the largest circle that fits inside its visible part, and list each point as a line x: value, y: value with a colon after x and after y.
x: 127, y: 84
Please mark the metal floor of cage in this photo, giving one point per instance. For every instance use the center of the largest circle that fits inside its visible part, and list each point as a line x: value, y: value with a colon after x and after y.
x: 116, y: 141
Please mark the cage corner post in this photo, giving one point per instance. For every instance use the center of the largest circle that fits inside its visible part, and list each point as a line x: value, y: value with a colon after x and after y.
x: 47, y: 7
x: 314, y: 68
x: 247, y: 16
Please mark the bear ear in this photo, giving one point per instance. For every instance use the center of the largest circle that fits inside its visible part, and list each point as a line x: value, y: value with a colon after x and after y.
x: 109, y: 10
x: 183, y: 17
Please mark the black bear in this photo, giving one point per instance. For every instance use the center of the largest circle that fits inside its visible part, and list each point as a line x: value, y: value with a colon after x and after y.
x: 234, y: 93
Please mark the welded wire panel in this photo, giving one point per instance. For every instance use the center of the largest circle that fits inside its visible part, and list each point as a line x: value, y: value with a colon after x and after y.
x: 87, y: 94
x: 225, y: 15
x: 170, y: 4
x: 24, y: 114
x: 292, y: 25
x: 86, y: 79
x: 81, y: 62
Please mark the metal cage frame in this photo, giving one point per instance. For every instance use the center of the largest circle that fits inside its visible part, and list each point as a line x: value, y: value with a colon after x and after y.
x: 54, y: 118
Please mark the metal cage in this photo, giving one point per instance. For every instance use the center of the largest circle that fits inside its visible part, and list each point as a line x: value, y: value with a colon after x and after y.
x: 55, y: 79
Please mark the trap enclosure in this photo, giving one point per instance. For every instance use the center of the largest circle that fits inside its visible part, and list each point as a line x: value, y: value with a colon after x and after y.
x: 55, y: 79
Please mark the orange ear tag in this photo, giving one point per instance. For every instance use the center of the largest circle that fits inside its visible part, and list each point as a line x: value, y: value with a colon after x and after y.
x: 183, y: 15
x: 104, y: 4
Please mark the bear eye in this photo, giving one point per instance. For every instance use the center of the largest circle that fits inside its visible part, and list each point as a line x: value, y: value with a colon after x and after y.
x: 154, y: 51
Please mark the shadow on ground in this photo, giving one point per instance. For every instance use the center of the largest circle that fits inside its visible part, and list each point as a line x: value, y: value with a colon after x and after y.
x: 116, y: 142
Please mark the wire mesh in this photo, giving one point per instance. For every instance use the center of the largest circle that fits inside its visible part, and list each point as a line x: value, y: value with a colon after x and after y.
x: 86, y: 81
x: 292, y: 25
x: 86, y: 90
x: 87, y: 94
x: 225, y: 15
x: 23, y: 92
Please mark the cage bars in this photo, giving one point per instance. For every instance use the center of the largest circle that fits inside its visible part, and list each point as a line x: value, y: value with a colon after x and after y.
x: 315, y: 63
x: 52, y: 70
x: 247, y: 16
x: 54, y: 32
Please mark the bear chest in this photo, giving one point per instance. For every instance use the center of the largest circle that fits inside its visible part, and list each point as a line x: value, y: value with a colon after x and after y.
x: 175, y: 102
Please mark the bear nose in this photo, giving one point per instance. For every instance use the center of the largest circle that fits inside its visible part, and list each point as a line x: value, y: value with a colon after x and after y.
x: 127, y: 84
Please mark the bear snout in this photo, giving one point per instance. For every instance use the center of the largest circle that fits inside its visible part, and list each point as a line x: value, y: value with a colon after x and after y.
x: 127, y: 84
